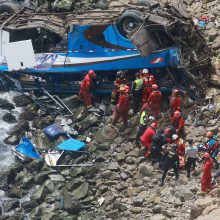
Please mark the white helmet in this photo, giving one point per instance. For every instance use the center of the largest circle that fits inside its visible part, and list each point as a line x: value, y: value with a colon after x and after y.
x: 151, y: 118
x: 145, y: 71
x: 174, y: 137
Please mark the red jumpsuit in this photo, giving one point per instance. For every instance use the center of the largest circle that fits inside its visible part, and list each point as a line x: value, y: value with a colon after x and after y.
x: 181, y: 147
x: 175, y: 103
x: 149, y: 80
x: 154, y: 102
x: 121, y: 109
x: 178, y: 124
x: 118, y: 82
x: 206, y: 179
x: 147, y: 136
x: 84, y: 92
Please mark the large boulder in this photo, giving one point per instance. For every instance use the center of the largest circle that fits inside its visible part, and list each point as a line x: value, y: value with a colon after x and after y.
x: 106, y: 133
x: 22, y: 100
x: 216, y: 44
x: 27, y: 115
x: 39, y: 195
x: 213, y: 215
x: 71, y: 204
x: 5, y: 104
x: 19, y: 129
x: 74, y: 183
x: 63, y: 5
x: 28, y: 205
x: 80, y: 113
x: 12, y: 140
x: 72, y: 102
x: 41, y: 140
x: 10, y: 204
x: 81, y: 191
x: 145, y: 169
x: 158, y: 217
x: 200, y: 205
x: 90, y: 120
x: 9, y: 118
x: 41, y: 123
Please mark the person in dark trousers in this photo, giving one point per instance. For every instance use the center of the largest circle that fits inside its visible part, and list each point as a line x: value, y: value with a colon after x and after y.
x: 136, y: 91
x: 170, y: 160
x: 159, y: 139
x: 192, y: 156
x: 145, y: 119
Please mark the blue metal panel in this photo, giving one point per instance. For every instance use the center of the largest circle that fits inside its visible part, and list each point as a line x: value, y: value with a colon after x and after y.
x: 27, y: 149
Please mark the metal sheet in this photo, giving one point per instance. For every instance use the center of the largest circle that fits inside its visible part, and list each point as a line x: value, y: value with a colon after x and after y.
x: 144, y: 40
x: 20, y: 55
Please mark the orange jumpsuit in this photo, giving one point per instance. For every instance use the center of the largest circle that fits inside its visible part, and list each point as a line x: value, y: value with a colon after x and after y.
x: 154, y: 102
x: 206, y: 179
x: 115, y: 93
x: 175, y: 103
x: 84, y: 93
x: 121, y: 109
x: 149, y: 80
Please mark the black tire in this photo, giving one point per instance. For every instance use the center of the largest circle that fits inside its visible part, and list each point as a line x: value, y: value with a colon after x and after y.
x: 131, y: 17
x: 9, y: 7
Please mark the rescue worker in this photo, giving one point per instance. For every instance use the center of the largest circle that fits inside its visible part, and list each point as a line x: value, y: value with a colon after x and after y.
x: 136, y: 90
x: 180, y: 149
x: 149, y: 80
x: 84, y: 94
x: 206, y: 179
x: 120, y: 80
x: 158, y: 140
x: 169, y: 132
x: 212, y: 146
x: 192, y: 156
x: 145, y: 119
x: 178, y: 123
x: 175, y: 101
x: 122, y: 108
x: 180, y: 145
x: 170, y: 160
x: 154, y: 101
x: 146, y: 138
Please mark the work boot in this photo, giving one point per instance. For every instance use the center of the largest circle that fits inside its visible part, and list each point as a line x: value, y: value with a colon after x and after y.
x: 161, y: 183
x: 80, y: 99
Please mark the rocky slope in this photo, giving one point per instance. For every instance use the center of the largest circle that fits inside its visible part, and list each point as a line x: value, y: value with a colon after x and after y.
x: 121, y: 184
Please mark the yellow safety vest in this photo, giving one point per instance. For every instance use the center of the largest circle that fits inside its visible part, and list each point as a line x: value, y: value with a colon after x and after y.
x: 143, y: 118
x: 139, y: 84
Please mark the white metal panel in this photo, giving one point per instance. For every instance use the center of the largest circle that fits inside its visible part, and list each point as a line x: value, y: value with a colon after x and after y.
x: 20, y: 55
x: 4, y: 39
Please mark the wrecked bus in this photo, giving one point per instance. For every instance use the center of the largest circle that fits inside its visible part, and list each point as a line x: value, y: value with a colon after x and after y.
x: 129, y: 38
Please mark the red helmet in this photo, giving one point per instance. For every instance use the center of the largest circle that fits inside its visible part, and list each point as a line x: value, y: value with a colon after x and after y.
x: 154, y: 125
x: 154, y: 86
x: 175, y: 91
x: 206, y: 155
x: 124, y: 88
x: 209, y: 134
x: 204, y: 18
x: 92, y: 73
x: 177, y: 114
